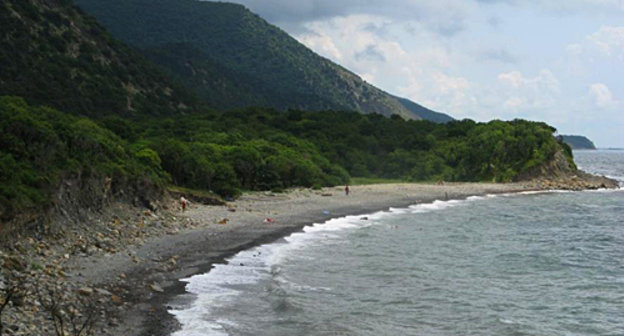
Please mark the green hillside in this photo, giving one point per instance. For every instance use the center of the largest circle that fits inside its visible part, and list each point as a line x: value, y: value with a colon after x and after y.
x: 212, y: 47
x: 577, y: 141
x: 52, y: 54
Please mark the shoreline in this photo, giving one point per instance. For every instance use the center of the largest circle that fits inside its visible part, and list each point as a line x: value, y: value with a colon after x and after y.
x: 130, y: 260
x: 152, y: 314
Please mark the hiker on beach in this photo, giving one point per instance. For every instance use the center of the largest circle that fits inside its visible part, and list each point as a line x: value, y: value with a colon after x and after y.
x: 347, y: 190
x: 183, y: 203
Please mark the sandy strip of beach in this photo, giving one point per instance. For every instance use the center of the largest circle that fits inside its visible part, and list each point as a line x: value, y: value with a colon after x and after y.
x: 243, y: 225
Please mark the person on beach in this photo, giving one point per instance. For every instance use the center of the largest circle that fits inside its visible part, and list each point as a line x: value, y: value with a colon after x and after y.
x: 183, y: 203
x: 347, y: 190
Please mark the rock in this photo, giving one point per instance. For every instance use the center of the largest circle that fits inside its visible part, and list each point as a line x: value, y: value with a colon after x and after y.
x: 103, y: 292
x: 156, y: 288
x: 85, y: 291
x: 116, y: 300
x: 152, y: 206
x: 14, y: 263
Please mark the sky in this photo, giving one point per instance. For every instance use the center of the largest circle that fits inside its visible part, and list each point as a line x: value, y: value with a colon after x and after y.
x: 561, y: 62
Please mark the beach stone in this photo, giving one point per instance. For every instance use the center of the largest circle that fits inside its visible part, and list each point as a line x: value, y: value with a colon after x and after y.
x: 103, y: 292
x: 156, y: 288
x: 116, y: 300
x: 14, y: 263
x: 85, y: 291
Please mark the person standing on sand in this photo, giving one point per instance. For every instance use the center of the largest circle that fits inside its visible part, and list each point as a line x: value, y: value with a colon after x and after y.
x: 183, y: 203
x: 347, y: 190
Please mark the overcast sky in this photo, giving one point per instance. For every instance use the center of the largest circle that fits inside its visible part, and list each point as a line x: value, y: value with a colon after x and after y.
x: 559, y: 61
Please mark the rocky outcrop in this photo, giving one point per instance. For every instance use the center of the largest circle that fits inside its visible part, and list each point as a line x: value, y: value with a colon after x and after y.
x: 562, y: 174
x: 580, y: 181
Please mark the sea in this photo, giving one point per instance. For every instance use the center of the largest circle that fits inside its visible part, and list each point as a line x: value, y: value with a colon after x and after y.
x: 536, y: 263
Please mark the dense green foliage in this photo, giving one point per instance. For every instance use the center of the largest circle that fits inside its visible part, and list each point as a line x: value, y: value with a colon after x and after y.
x: 40, y: 147
x: 53, y: 54
x: 375, y: 146
x: 257, y: 149
x: 215, y: 47
x: 577, y: 141
x: 210, y: 151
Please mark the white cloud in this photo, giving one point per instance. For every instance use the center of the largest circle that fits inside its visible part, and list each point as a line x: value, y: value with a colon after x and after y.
x: 322, y: 44
x: 602, y: 97
x: 599, y: 7
x: 528, y: 94
x: 443, y: 92
x: 545, y: 80
x: 609, y: 40
x: 371, y: 46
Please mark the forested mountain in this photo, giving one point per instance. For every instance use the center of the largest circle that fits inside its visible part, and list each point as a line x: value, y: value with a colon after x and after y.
x: 53, y: 54
x: 233, y: 58
x: 577, y: 141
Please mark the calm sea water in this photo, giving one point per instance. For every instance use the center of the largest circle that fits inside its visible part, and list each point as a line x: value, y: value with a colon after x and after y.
x: 531, y: 264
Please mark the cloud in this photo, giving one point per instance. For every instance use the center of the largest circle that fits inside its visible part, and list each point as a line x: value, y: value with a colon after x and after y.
x: 371, y: 53
x: 544, y: 81
x: 601, y: 7
x: 602, y: 97
x: 322, y: 44
x: 498, y: 55
x: 445, y: 17
x: 535, y: 93
x: 609, y: 40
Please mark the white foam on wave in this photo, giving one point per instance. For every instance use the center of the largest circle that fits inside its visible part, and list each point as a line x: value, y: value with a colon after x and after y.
x: 436, y: 205
x: 475, y: 198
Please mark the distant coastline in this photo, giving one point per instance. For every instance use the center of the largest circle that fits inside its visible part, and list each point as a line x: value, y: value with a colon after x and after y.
x: 577, y: 142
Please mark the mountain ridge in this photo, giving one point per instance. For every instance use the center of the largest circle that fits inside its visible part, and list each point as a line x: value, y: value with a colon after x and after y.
x: 230, y: 36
